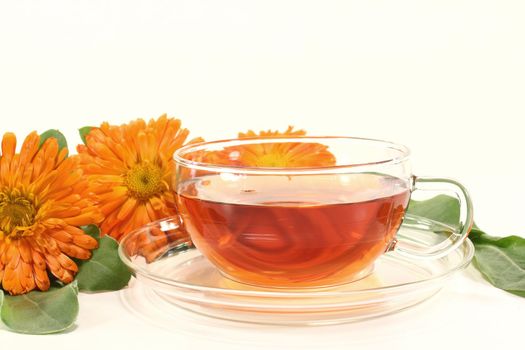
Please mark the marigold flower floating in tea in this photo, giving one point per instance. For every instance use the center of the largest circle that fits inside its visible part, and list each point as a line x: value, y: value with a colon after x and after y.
x: 130, y: 167
x: 43, y: 200
x: 289, y: 154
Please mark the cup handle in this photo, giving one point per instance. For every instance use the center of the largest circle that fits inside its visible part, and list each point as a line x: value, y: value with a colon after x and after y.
x: 458, y: 236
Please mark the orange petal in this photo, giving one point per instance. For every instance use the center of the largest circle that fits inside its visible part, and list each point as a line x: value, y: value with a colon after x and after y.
x: 8, y: 145
x: 41, y: 279
x: 81, y: 220
x: 74, y: 251
x: 25, y: 251
x: 127, y: 208
x: 61, y: 236
x: 67, y: 263
x: 29, y: 148
x: 85, y: 241
x: 38, y: 260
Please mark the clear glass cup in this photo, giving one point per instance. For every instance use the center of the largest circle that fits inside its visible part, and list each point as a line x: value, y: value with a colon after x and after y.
x: 303, y: 211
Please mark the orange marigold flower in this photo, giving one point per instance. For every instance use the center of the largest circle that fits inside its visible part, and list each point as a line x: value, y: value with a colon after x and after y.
x: 130, y: 168
x: 289, y: 154
x: 43, y: 201
x: 269, y: 133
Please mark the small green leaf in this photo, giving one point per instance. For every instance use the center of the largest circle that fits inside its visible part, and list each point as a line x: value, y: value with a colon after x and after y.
x: 84, y: 131
x: 501, y: 260
x: 53, y: 133
x: 92, y: 230
x: 104, y: 271
x: 41, y: 312
x: 442, y: 208
x: 1, y: 299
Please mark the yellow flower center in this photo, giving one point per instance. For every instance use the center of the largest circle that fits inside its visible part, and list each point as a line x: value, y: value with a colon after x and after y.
x: 17, y: 213
x: 144, y: 181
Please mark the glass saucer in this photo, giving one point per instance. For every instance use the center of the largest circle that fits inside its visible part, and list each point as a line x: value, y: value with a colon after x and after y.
x: 164, y: 260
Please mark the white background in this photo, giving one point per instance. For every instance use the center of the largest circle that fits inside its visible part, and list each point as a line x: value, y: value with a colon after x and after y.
x: 446, y: 78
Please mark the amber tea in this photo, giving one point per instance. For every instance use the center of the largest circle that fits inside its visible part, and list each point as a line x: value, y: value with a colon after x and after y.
x: 293, y: 231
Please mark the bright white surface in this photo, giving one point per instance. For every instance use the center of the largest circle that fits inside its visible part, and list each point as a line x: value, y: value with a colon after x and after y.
x: 446, y: 78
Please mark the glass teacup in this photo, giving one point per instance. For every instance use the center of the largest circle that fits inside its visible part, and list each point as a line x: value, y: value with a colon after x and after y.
x: 302, y: 211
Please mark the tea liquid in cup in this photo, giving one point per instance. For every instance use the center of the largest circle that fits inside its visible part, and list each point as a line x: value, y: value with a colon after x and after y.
x: 293, y: 231
x: 299, y: 226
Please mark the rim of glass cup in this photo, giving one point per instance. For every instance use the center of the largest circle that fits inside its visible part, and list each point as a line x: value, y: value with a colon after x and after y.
x: 404, y: 154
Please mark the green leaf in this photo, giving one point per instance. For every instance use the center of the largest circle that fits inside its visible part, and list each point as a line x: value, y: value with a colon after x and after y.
x: 41, y: 312
x: 441, y: 208
x: 92, y: 230
x: 104, y: 271
x: 84, y: 131
x: 501, y: 260
x: 1, y: 299
x: 53, y: 133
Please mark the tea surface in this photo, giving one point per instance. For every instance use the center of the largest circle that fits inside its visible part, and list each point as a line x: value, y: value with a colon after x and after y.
x: 293, y: 231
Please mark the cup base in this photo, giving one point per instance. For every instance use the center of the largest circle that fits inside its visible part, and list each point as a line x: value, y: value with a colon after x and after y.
x: 231, y: 281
